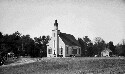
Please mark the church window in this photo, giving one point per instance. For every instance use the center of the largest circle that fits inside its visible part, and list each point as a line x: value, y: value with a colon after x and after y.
x: 54, y: 52
x: 54, y: 44
x: 49, y: 51
x: 54, y: 34
x: 67, y: 50
x: 74, y: 51
x: 79, y: 50
x: 61, y: 50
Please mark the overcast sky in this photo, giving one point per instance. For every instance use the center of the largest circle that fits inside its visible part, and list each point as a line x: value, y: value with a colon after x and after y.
x: 94, y: 18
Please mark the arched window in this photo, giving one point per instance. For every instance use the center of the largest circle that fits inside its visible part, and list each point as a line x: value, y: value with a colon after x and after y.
x: 61, y: 50
x: 54, y: 52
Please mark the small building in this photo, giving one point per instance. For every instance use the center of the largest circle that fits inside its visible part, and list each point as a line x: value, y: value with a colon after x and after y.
x: 62, y: 44
x: 106, y: 52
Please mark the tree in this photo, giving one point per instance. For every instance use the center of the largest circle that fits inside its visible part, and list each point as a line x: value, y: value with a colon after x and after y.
x: 1, y: 35
x: 5, y: 46
x: 23, y: 45
x: 90, y: 50
x: 16, y: 42
x: 41, y: 45
x: 27, y: 45
x: 38, y: 46
x: 111, y: 47
x: 86, y: 46
x: 1, y: 42
x: 99, y: 45
x: 81, y: 42
x: 45, y: 40
x: 120, y: 48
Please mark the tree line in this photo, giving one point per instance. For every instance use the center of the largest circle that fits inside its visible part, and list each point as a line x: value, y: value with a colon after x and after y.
x: 90, y: 49
x: 23, y: 45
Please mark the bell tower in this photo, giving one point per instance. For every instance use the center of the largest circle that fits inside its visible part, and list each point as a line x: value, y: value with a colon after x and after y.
x: 55, y: 39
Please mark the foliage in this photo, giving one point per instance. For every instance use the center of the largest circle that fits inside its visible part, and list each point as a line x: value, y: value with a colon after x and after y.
x: 23, y: 45
x: 86, y: 46
x: 81, y: 42
x: 111, y: 47
x: 41, y: 45
x: 120, y: 50
x: 99, y: 45
x: 90, y: 49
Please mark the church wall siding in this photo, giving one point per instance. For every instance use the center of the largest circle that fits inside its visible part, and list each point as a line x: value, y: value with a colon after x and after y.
x: 61, y: 44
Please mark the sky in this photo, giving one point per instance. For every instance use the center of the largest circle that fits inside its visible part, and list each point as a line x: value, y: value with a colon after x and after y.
x: 92, y: 18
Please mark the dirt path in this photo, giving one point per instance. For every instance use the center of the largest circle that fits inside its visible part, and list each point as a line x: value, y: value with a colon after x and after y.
x: 22, y: 61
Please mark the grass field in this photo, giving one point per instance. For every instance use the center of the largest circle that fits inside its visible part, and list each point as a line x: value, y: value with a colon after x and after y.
x: 105, y: 65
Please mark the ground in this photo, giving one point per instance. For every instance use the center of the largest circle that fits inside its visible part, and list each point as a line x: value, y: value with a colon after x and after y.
x: 76, y: 65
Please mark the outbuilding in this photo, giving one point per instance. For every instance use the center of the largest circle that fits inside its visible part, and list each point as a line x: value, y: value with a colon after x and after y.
x: 106, y: 52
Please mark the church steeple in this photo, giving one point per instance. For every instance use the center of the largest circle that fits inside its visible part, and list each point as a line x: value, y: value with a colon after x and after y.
x: 55, y: 39
x: 55, y: 25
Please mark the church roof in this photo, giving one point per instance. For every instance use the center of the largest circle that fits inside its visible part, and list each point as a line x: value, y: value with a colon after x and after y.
x: 69, y: 39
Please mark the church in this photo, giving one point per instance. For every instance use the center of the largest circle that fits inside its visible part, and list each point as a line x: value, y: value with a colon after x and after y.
x: 62, y: 44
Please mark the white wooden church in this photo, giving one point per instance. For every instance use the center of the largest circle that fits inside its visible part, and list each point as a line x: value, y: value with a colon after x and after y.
x: 62, y: 44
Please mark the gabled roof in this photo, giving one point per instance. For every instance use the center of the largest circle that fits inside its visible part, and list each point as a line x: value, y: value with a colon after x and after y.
x: 106, y: 49
x: 69, y: 39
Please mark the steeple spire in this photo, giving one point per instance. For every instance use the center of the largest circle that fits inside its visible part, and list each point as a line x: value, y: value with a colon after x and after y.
x: 56, y: 25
